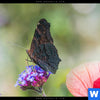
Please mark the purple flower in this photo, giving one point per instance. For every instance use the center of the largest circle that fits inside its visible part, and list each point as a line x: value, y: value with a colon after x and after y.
x: 33, y: 76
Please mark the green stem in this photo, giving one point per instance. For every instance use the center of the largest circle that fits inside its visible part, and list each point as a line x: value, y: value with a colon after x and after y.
x: 43, y: 93
x: 39, y: 91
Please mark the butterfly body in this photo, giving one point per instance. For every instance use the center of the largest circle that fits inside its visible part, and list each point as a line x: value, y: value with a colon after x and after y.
x: 42, y: 51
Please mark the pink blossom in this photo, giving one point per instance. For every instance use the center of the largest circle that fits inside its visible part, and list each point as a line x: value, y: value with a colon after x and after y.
x: 83, y: 77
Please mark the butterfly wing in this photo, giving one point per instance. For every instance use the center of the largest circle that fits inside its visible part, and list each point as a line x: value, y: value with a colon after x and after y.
x: 42, y: 50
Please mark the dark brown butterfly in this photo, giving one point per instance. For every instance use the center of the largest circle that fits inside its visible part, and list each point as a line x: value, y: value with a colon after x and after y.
x: 42, y: 51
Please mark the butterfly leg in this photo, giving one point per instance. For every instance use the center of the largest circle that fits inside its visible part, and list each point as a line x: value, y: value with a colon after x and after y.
x: 29, y: 61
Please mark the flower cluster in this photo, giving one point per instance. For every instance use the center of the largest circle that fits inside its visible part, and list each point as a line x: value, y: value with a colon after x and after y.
x: 33, y: 76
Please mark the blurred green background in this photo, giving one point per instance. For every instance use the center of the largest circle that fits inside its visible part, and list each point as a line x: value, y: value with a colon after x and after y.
x: 75, y: 29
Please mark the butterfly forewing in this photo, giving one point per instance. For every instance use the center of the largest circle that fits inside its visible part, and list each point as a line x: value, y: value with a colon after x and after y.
x: 42, y: 51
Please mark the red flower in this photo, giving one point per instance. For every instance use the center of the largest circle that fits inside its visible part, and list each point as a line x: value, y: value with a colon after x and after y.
x: 83, y: 77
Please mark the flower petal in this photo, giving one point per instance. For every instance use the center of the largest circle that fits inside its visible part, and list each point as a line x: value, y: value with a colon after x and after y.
x: 82, y: 77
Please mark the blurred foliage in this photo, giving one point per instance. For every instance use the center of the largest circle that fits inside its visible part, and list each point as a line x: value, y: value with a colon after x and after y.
x: 75, y: 31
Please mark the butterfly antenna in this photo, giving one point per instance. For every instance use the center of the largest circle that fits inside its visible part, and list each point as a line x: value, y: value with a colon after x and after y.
x: 18, y: 45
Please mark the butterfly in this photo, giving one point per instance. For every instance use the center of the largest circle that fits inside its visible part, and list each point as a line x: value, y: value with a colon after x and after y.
x: 42, y: 50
